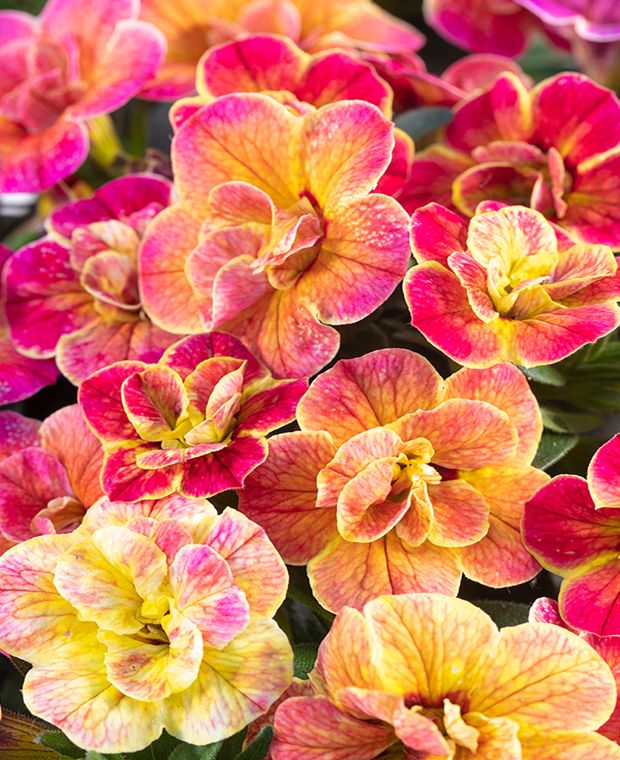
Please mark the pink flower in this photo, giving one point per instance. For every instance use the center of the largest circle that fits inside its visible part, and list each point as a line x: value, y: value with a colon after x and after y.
x: 555, y: 148
x: 507, y: 287
x: 17, y: 432
x: 572, y: 526
x: 195, y: 423
x: 72, y: 63
x: 75, y: 294
x: 47, y: 488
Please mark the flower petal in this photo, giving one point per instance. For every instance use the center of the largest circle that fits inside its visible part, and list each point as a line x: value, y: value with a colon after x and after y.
x: 604, y: 475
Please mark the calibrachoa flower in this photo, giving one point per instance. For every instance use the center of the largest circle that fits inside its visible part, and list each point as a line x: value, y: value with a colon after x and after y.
x: 426, y: 676
x: 20, y: 376
x: 47, y: 488
x: 17, y: 432
x: 75, y: 294
x: 70, y: 64
x: 546, y: 610
x: 555, y: 148
x: 276, y: 66
x: 149, y: 616
x: 277, y: 235
x: 499, y: 289
x: 572, y: 526
x: 400, y: 481
x: 194, y: 423
x: 315, y: 25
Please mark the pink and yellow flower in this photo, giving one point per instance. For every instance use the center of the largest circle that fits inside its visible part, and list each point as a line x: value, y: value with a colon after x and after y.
x: 555, y: 148
x: 149, y: 616
x: 17, y: 432
x: 546, y: 610
x: 572, y: 526
x: 194, y: 423
x: 191, y: 28
x: 400, y: 481
x: 75, y: 294
x: 47, y: 488
x: 277, y: 235
x: 506, y: 287
x: 58, y: 71
x: 276, y: 66
x: 426, y: 676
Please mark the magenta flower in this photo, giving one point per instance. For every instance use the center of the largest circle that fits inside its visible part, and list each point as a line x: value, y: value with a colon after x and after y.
x: 75, y: 294
x: 17, y: 432
x: 72, y: 63
x: 195, y: 423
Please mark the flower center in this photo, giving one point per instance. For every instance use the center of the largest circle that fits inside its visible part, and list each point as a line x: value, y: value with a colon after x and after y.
x: 154, y: 614
x: 412, y: 470
x: 508, y: 279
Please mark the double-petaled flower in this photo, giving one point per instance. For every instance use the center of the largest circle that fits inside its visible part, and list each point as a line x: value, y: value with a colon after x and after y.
x: 149, y: 616
x: 400, y: 481
x: 195, y: 423
x: 506, y: 287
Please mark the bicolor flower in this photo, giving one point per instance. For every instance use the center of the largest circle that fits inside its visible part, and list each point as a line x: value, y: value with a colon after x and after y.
x: 572, y: 526
x: 426, y: 676
x: 17, y: 432
x: 20, y: 376
x: 59, y: 70
x: 355, y: 26
x: 555, y: 148
x: 276, y: 66
x: 75, y: 293
x: 400, y: 481
x: 194, y: 423
x: 47, y: 487
x: 545, y: 610
x: 506, y: 287
x: 149, y: 616
x: 277, y: 235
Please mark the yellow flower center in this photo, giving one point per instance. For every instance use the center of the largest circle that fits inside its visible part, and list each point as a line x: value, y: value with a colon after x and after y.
x: 412, y: 469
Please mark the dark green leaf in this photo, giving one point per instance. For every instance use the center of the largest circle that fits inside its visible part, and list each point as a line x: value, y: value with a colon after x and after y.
x: 422, y: 121
x: 191, y: 752
x: 58, y: 741
x: 504, y: 613
x: 299, y: 590
x: 233, y: 746
x: 560, y: 421
x: 552, y: 448
x: 545, y: 375
x: 259, y: 747
x: 304, y: 657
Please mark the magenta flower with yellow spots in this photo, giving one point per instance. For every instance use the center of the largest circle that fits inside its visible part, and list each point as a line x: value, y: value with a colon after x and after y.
x: 506, y: 287
x: 195, y: 423
x: 191, y: 27
x: 555, y: 148
x: 57, y: 71
x: 47, y: 485
x: 277, y: 235
x: 426, y: 676
x: 149, y: 616
x: 75, y: 294
x: 400, y: 481
x: 572, y: 526
x: 546, y: 610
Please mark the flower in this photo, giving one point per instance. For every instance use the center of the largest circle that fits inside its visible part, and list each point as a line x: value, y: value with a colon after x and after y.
x: 572, y: 526
x: 20, y: 376
x: 507, y: 288
x: 149, y: 616
x: 75, y: 294
x: 47, y: 488
x: 276, y: 66
x: 546, y: 610
x: 399, y: 481
x: 192, y: 28
x: 58, y: 71
x: 194, y: 423
x: 277, y: 235
x: 424, y: 675
x: 555, y: 148
x: 17, y: 432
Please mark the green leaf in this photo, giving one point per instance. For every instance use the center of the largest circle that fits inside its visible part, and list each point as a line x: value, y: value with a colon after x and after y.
x: 560, y: 421
x: 259, y: 747
x: 545, y: 376
x: 504, y: 613
x: 233, y: 745
x: 92, y: 755
x: 422, y: 121
x: 299, y: 590
x: 191, y: 752
x: 59, y: 742
x: 304, y: 657
x: 552, y: 448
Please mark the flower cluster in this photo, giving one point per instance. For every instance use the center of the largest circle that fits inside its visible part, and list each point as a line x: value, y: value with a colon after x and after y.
x: 235, y: 321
